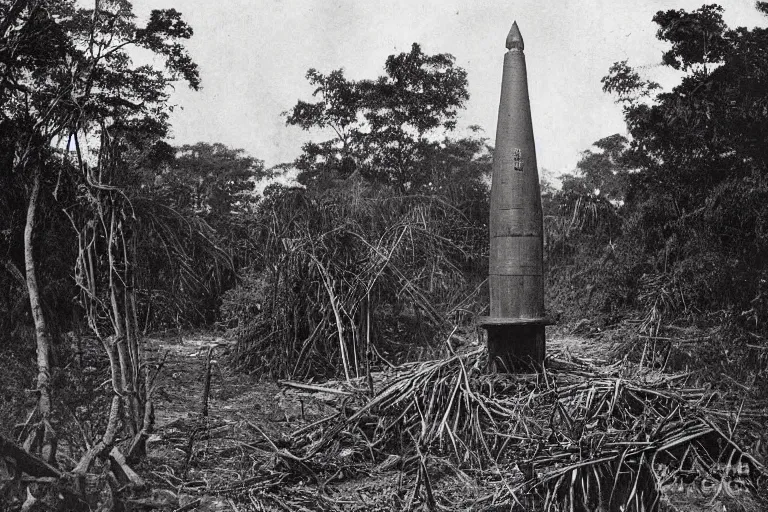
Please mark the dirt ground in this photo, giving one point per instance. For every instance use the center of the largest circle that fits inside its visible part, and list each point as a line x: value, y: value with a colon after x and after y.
x: 206, y: 463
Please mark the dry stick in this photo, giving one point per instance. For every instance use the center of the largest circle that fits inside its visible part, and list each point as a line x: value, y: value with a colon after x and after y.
x: 189, y: 450
x: 200, y: 427
x: 303, y: 430
x: 368, y: 342
x: 189, y: 506
x: 25, y: 425
x: 354, y: 347
x: 310, y: 387
x: 335, y: 307
x: 207, y: 386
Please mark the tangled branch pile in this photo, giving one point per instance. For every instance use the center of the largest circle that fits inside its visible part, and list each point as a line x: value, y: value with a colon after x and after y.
x: 577, y: 437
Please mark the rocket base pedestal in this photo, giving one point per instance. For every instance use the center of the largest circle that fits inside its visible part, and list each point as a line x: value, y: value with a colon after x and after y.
x: 515, y: 345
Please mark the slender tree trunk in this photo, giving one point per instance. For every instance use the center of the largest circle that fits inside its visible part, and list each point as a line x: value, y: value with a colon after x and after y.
x: 48, y: 448
x: 131, y: 331
x: 119, y: 321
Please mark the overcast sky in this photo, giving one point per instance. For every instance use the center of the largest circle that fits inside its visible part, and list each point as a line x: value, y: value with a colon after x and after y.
x: 254, y: 54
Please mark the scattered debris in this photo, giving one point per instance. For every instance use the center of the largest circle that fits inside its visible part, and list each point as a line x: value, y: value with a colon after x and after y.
x: 446, y: 435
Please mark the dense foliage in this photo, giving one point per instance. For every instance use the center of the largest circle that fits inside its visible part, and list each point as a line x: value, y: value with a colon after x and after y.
x: 386, y: 129
x: 355, y: 275
x: 74, y: 111
x: 673, y: 221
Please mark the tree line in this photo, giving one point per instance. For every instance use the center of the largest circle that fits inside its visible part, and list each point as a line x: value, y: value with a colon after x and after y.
x: 676, y: 210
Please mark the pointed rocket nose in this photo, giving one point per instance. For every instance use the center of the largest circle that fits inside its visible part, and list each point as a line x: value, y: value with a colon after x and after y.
x: 515, y: 38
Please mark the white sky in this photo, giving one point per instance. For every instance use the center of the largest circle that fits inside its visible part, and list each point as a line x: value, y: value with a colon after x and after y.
x: 253, y: 55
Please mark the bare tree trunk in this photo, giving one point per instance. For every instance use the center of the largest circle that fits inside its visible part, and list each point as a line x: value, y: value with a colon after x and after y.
x: 141, y: 373
x: 131, y: 333
x: 44, y: 434
x: 119, y: 321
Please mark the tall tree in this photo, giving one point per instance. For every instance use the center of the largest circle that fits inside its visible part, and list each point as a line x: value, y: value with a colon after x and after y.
x: 383, y: 128
x: 34, y: 48
x: 212, y: 180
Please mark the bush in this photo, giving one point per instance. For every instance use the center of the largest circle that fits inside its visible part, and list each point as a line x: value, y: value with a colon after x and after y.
x: 350, y: 274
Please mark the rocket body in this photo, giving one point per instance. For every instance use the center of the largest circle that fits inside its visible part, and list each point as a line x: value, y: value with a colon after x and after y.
x: 516, y: 278
x: 516, y: 232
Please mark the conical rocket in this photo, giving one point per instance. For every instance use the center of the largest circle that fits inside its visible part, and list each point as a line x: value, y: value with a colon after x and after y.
x: 516, y: 323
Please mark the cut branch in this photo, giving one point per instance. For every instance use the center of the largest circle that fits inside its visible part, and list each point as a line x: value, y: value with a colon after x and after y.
x: 26, y: 462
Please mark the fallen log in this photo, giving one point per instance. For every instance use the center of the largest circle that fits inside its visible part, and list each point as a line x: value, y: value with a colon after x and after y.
x: 120, y: 467
x: 27, y: 462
